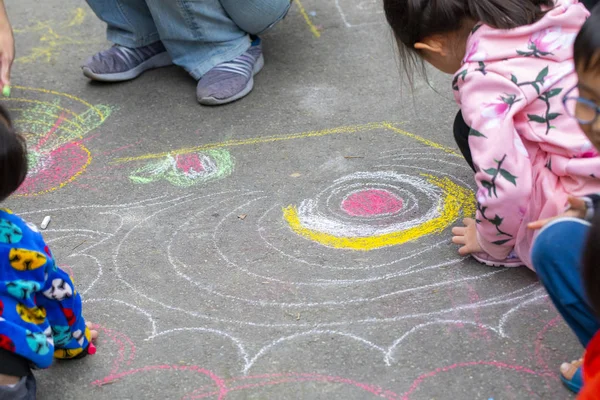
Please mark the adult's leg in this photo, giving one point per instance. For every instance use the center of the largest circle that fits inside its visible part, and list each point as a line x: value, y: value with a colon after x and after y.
x: 129, y: 22
x: 256, y: 16
x: 131, y: 27
x: 557, y: 258
x: 461, y: 135
x: 198, y: 33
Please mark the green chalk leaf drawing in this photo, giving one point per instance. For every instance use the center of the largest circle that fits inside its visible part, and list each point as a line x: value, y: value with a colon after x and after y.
x: 185, y: 170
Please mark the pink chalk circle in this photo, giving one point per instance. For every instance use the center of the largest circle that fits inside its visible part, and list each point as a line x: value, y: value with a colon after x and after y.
x: 371, y: 203
x: 189, y: 163
x: 55, y: 169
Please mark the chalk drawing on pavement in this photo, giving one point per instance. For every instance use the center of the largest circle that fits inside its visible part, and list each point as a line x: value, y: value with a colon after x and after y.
x: 55, y: 126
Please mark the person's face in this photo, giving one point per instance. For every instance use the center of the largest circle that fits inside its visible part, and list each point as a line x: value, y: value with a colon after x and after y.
x: 587, y: 109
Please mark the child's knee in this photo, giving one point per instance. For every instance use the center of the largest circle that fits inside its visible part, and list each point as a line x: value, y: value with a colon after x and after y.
x: 557, y: 241
x: 547, y: 244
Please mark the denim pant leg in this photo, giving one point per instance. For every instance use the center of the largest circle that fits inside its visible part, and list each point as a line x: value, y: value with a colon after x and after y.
x: 256, y: 16
x: 197, y: 33
x: 557, y: 257
x: 129, y: 22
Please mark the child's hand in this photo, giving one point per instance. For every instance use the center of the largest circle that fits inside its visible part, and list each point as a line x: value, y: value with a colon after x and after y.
x: 577, y: 209
x: 93, y: 335
x: 93, y: 332
x: 467, y: 237
x: 7, y: 48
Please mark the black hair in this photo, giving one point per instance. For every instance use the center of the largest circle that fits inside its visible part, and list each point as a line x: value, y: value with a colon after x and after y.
x: 414, y: 20
x: 587, y: 44
x: 13, y: 157
x: 591, y: 265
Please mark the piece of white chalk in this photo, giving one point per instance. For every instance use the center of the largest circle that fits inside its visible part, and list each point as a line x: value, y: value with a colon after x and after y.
x: 45, y: 222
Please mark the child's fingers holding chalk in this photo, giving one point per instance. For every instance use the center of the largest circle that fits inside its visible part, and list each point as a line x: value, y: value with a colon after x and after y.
x: 5, y: 65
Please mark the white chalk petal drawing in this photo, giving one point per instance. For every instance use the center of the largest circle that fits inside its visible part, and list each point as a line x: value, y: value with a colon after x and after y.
x: 185, y: 170
x: 188, y: 264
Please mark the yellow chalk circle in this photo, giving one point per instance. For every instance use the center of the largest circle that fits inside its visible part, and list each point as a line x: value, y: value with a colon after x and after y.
x: 457, y: 201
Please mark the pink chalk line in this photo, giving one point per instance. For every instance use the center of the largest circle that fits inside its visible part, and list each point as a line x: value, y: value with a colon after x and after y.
x: 292, y: 377
x: 221, y: 387
x: 517, y: 368
x: 54, y: 128
x: 541, y: 362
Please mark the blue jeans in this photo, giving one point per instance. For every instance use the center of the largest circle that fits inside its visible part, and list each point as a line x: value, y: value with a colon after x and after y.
x: 198, y: 34
x: 557, y: 257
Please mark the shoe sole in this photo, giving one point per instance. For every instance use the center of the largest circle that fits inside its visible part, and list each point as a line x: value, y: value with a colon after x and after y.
x: 498, y: 264
x: 212, y: 101
x: 158, y: 61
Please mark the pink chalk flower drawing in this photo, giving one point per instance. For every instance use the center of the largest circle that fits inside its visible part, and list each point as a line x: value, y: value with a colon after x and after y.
x: 495, y: 112
x: 185, y: 170
x: 546, y: 42
x: 55, y: 135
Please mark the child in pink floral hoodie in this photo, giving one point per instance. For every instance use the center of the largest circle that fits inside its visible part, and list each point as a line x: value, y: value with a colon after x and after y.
x: 512, y: 62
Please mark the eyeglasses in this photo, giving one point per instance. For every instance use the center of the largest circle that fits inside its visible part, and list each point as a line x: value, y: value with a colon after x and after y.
x: 583, y: 110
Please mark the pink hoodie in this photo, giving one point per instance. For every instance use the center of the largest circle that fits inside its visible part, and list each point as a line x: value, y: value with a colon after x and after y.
x: 529, y: 154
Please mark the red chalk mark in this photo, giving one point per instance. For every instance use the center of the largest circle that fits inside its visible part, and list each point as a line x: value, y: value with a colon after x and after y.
x: 474, y: 299
x: 517, y: 368
x: 220, y: 387
x: 371, y: 202
x: 539, y: 348
x: 189, y: 163
x: 121, y: 148
x: 278, y: 379
x: 67, y: 269
x: 222, y: 390
x: 62, y: 165
x: 54, y: 128
x: 87, y: 139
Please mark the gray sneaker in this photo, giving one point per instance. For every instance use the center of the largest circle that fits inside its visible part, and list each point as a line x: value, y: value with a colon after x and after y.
x: 120, y: 63
x: 232, y: 80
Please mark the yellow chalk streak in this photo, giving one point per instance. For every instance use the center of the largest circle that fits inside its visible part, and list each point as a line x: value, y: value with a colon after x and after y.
x: 46, y: 103
x: 63, y: 184
x: 78, y: 17
x: 50, y: 40
x: 66, y: 120
x: 421, y: 139
x: 312, y: 26
x: 68, y: 96
x: 456, y: 198
x: 49, y: 125
x: 265, y: 139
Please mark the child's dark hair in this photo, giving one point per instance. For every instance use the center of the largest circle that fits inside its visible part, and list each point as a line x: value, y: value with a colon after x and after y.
x: 13, y: 157
x: 591, y: 265
x: 587, y: 44
x: 414, y: 20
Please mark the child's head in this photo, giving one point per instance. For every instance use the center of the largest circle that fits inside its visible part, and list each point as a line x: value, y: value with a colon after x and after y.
x: 437, y: 30
x: 587, y: 63
x: 591, y: 262
x: 13, y: 157
x: 587, y: 107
